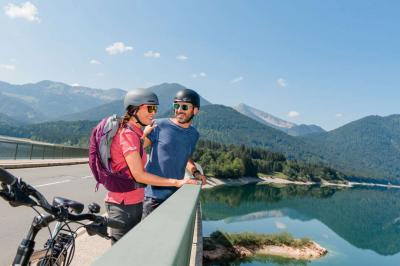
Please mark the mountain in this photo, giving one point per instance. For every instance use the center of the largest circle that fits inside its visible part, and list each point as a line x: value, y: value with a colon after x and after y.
x: 367, y: 147
x: 6, y: 120
x: 275, y: 122
x: 61, y: 132
x: 165, y: 93
x: 45, y: 100
x: 302, y: 130
x: 226, y: 125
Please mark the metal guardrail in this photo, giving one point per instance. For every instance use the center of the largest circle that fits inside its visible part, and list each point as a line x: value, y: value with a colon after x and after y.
x: 165, y: 237
x: 15, y: 148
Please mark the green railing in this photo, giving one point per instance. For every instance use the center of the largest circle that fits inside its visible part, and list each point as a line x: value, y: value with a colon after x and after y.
x: 165, y: 237
x: 15, y: 148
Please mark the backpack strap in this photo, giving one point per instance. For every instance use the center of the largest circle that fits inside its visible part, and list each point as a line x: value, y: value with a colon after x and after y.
x: 140, y: 139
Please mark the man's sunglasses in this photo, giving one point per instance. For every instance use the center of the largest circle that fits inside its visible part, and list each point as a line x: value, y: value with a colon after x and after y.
x: 183, y: 106
x: 152, y: 108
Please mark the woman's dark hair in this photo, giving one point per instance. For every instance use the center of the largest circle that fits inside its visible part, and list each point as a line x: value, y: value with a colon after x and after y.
x: 129, y: 113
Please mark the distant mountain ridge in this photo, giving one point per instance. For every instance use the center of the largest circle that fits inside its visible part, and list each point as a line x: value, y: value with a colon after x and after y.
x: 164, y: 91
x: 275, y: 122
x: 369, y: 146
x: 6, y: 120
x: 44, y: 100
x: 224, y: 124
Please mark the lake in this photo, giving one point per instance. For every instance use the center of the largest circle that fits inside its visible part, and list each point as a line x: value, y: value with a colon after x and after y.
x: 358, y: 226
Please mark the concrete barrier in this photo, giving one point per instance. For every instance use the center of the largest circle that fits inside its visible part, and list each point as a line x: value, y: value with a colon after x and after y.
x: 165, y: 237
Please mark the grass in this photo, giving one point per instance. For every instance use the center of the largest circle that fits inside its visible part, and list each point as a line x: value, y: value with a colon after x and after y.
x: 247, y: 239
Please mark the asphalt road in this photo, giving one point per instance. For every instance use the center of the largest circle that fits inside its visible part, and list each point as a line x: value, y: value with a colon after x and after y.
x: 72, y: 182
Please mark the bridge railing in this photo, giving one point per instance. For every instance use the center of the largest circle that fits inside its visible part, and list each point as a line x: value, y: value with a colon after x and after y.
x: 165, y: 237
x: 15, y: 148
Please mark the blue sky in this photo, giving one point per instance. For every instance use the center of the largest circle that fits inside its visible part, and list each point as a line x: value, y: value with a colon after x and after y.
x: 314, y: 62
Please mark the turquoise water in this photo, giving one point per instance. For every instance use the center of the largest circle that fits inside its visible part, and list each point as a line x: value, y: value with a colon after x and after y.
x: 359, y: 226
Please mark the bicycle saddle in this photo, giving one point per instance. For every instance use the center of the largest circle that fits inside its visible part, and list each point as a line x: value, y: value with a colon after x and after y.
x: 77, y: 207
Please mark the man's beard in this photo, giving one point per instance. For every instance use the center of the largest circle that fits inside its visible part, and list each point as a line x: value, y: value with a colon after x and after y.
x: 185, y: 120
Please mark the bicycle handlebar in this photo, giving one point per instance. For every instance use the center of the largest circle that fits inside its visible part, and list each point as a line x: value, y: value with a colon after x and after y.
x: 19, y: 193
x: 7, y: 178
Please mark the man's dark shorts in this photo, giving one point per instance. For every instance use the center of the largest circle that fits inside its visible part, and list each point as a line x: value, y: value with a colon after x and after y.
x: 150, y: 205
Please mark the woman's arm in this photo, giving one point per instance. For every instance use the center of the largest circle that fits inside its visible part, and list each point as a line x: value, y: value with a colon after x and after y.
x: 136, y: 167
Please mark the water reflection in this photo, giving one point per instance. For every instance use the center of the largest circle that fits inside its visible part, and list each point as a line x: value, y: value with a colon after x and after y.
x: 367, y: 218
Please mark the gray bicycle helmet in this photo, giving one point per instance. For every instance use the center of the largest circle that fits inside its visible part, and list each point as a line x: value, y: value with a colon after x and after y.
x: 139, y: 97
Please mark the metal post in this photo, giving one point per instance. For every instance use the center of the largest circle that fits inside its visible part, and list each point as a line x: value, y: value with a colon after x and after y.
x: 62, y: 152
x: 30, y: 154
x: 44, y: 149
x: 16, y: 152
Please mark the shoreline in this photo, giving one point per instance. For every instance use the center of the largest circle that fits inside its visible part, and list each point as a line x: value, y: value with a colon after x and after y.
x: 214, y: 182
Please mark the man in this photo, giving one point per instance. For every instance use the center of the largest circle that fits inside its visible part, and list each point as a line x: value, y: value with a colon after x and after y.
x: 172, y: 141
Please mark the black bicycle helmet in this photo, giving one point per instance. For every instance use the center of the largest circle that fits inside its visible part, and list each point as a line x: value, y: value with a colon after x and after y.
x: 189, y: 96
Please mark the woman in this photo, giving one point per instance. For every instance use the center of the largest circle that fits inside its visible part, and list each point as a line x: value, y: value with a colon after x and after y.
x: 126, y: 150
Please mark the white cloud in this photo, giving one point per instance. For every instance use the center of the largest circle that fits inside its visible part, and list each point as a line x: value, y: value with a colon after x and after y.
x: 199, y: 75
x: 281, y: 83
x: 236, y: 80
x: 100, y: 74
x: 94, y: 62
x: 339, y: 115
x: 118, y: 48
x: 182, y: 57
x: 26, y: 11
x: 152, y: 54
x: 8, y: 67
x: 75, y: 85
x: 293, y: 114
x: 280, y: 225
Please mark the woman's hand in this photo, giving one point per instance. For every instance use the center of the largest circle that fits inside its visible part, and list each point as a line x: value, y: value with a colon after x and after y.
x: 184, y: 181
x: 148, y: 129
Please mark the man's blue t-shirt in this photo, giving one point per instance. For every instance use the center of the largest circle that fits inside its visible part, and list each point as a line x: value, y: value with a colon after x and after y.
x: 172, y: 146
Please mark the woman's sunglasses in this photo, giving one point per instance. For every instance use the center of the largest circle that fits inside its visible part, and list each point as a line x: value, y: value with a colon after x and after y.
x: 152, y: 108
x: 183, y: 106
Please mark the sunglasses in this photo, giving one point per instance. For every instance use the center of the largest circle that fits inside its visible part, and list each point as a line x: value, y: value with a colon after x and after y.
x: 152, y: 108
x: 183, y: 106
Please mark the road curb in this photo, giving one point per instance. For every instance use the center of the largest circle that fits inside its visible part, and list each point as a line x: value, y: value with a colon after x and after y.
x: 17, y: 165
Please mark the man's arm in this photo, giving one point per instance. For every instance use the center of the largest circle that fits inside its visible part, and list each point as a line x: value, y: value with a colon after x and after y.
x: 191, y: 167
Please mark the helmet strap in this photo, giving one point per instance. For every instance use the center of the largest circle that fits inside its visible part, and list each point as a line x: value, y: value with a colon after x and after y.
x: 134, y: 114
x: 138, y: 121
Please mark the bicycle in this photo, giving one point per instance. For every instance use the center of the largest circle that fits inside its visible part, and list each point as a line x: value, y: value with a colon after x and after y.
x: 60, y: 247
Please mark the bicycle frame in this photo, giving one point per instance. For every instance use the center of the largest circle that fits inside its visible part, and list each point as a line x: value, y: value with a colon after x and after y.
x: 18, y: 193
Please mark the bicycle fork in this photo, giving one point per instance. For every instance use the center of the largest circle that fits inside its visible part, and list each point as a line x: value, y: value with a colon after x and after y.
x: 27, y: 245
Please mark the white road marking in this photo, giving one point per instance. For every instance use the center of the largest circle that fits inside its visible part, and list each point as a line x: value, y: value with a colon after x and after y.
x: 88, y: 176
x: 54, y: 183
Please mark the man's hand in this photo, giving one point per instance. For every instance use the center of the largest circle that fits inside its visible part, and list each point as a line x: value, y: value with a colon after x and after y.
x: 184, y: 181
x: 201, y: 177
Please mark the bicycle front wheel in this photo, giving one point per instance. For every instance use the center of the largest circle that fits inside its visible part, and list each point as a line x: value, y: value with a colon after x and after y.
x: 39, y: 258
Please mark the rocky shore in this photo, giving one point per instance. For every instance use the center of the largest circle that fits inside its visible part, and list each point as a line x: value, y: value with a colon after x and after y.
x: 219, y: 247
x: 213, y: 182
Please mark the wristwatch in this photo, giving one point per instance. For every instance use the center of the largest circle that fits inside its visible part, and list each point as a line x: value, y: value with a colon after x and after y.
x: 196, y: 172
